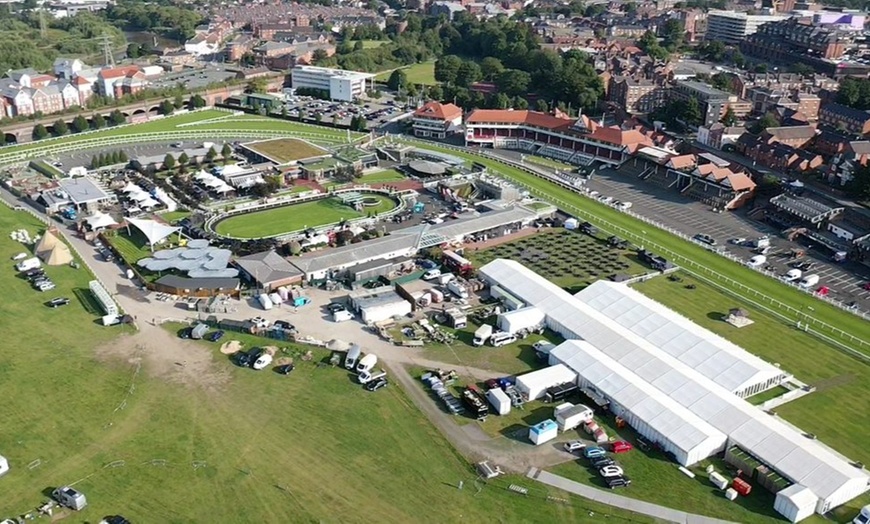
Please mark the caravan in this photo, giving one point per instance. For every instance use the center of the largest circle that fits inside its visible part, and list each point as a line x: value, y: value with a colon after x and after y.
x: 352, y: 356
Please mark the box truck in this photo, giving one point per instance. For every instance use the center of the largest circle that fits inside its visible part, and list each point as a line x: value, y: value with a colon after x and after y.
x: 352, y: 356
x: 482, y: 334
x: 499, y: 400
x: 571, y: 417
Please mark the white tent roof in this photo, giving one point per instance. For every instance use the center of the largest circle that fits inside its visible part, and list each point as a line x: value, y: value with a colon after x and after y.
x: 714, y: 357
x: 212, y: 182
x: 798, y: 458
x: 547, y: 377
x: 99, y: 220
x: 522, y: 318
x: 154, y: 231
x: 685, y: 430
x: 131, y: 188
x: 148, y: 203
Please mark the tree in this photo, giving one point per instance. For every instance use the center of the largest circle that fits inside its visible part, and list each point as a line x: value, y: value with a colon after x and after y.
x: 95, y: 162
x: 447, y: 68
x: 114, y: 157
x: 673, y: 32
x: 211, y: 155
x: 183, y: 159
x: 168, y: 161
x: 294, y: 247
x: 166, y: 107
x: 692, y: 112
x: 468, y: 73
x: 117, y: 118
x: 80, y: 124
x: 521, y: 103
x: 491, y: 67
x: 398, y: 80
x: 122, y: 157
x: 359, y: 45
x: 60, y: 127
x: 541, y: 106
x: 134, y: 50
x: 178, y: 102
x: 196, y: 102
x: 501, y: 101
x: 411, y: 89
x: 513, y: 82
x: 650, y: 45
x: 729, y: 118
x: 738, y: 58
x: 319, y: 55
x: 436, y: 93
x: 722, y: 81
x: 98, y: 121
x: 859, y: 186
x: 767, y: 120
x: 257, y: 85
x: 802, y: 69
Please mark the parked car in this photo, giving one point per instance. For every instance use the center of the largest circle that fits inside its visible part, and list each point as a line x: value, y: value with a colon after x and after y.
x: 617, y: 482
x: 756, y: 261
x: 594, y: 452
x: 601, y: 462
x: 216, y: 335
x: 246, y: 358
x: 57, y: 302
x: 623, y: 206
x: 185, y: 333
x: 285, y: 369
x: 260, y: 322
x: 283, y: 324
x: 739, y: 241
x: 621, y: 446
x: 46, y: 286
x: 335, y: 307
x: 432, y: 274
x: 574, y: 446
x: 588, y: 229
x: 705, y: 239
x: 376, y: 384
x: 610, y: 471
x: 262, y: 361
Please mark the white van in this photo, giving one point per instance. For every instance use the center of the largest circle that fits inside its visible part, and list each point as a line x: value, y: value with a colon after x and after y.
x: 367, y: 363
x: 341, y: 316
x: 482, y: 335
x: 809, y: 281
x: 792, y: 275
x: 756, y: 261
x: 27, y: 265
x: 432, y: 274
x: 352, y: 356
x: 502, y: 339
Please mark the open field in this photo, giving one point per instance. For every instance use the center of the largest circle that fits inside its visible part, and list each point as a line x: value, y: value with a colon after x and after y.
x: 369, y: 44
x: 174, y: 216
x: 569, y: 259
x: 388, y: 175
x: 597, y: 213
x: 284, y: 150
x: 294, y: 217
x: 422, y: 73
x: 233, y: 445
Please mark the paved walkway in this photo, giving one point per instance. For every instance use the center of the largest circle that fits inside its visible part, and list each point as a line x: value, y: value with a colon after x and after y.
x: 638, y: 506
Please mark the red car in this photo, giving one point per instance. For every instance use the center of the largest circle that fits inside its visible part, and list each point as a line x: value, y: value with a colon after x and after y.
x: 621, y: 446
x: 866, y: 286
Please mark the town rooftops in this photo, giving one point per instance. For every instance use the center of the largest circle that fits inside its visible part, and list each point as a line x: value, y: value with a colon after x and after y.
x: 791, y: 132
x: 846, y: 112
x: 439, y: 111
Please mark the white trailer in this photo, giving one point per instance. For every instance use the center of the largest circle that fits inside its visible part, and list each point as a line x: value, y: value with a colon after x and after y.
x: 457, y: 289
x: 265, y: 301
x: 718, y: 480
x: 572, y: 416
x: 499, y: 400
x: 534, y: 385
x: 482, y: 334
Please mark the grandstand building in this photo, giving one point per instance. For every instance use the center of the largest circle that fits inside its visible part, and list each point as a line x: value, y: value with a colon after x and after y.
x: 682, y: 386
x: 577, y: 141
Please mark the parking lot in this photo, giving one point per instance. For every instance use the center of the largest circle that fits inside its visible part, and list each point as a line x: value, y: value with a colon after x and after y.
x: 376, y: 113
x: 691, y: 217
x: 195, y: 79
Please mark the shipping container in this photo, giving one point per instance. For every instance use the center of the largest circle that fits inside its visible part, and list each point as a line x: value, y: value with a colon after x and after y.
x: 741, y: 486
x: 499, y: 400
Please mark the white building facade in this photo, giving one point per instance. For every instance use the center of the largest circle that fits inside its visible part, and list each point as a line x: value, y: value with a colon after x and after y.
x: 345, y: 86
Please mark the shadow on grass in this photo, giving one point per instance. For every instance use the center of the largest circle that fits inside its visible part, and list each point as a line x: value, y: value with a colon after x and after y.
x: 715, y: 315
x: 88, y: 301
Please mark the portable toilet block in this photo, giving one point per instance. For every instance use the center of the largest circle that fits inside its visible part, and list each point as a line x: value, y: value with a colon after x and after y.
x: 543, y: 432
x: 730, y: 493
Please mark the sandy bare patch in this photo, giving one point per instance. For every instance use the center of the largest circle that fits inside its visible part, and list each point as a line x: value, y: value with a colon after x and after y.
x: 272, y: 350
x: 233, y: 346
x: 167, y: 357
x: 283, y: 360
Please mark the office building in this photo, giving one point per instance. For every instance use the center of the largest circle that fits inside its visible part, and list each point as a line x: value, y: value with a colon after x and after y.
x: 731, y: 27
x: 341, y: 85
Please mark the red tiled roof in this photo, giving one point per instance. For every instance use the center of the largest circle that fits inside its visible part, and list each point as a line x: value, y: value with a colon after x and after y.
x: 439, y: 111
x: 504, y: 116
x: 80, y: 81
x: 118, y: 72
x: 683, y: 161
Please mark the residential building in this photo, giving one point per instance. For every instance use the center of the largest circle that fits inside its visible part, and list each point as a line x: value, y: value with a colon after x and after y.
x: 637, y: 95
x: 203, y: 44
x: 67, y: 67
x: 236, y: 48
x: 47, y: 100
x: 274, y: 49
x: 341, y: 85
x: 436, y: 120
x: 713, y: 102
x: 794, y: 136
x: 718, y: 135
x: 845, y: 118
x: 732, y: 27
x: 106, y: 78
x: 449, y: 9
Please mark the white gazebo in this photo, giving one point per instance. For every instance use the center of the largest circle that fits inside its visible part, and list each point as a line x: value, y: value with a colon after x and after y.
x: 154, y: 231
x: 100, y: 220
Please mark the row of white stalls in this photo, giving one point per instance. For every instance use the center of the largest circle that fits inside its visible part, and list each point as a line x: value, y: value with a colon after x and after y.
x: 143, y: 200
x: 213, y: 183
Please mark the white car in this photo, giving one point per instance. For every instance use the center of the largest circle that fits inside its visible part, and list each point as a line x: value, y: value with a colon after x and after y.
x: 262, y: 362
x: 756, y: 261
x: 610, y: 471
x: 260, y: 322
x: 19, y: 256
x: 606, y: 200
x: 623, y: 206
x: 574, y: 446
x: 432, y: 274
x: 792, y: 275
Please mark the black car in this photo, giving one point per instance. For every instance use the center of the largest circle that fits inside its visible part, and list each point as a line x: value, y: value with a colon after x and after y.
x: 246, y: 359
x: 588, y: 228
x: 374, y: 385
x: 33, y: 277
x: 617, y: 482
x: 216, y: 335
x: 706, y: 239
x: 285, y: 369
x: 283, y: 324
x: 116, y: 519
x: 57, y: 302
x: 601, y: 462
x: 34, y: 272
x: 185, y: 333
x: 335, y: 307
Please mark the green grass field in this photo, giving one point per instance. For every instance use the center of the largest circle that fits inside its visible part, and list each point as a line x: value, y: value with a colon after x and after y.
x: 422, y: 73
x: 174, y: 216
x: 294, y: 218
x: 285, y: 150
x: 133, y: 247
x: 369, y: 44
x: 721, y: 266
x: 388, y: 175
x: 231, y: 446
